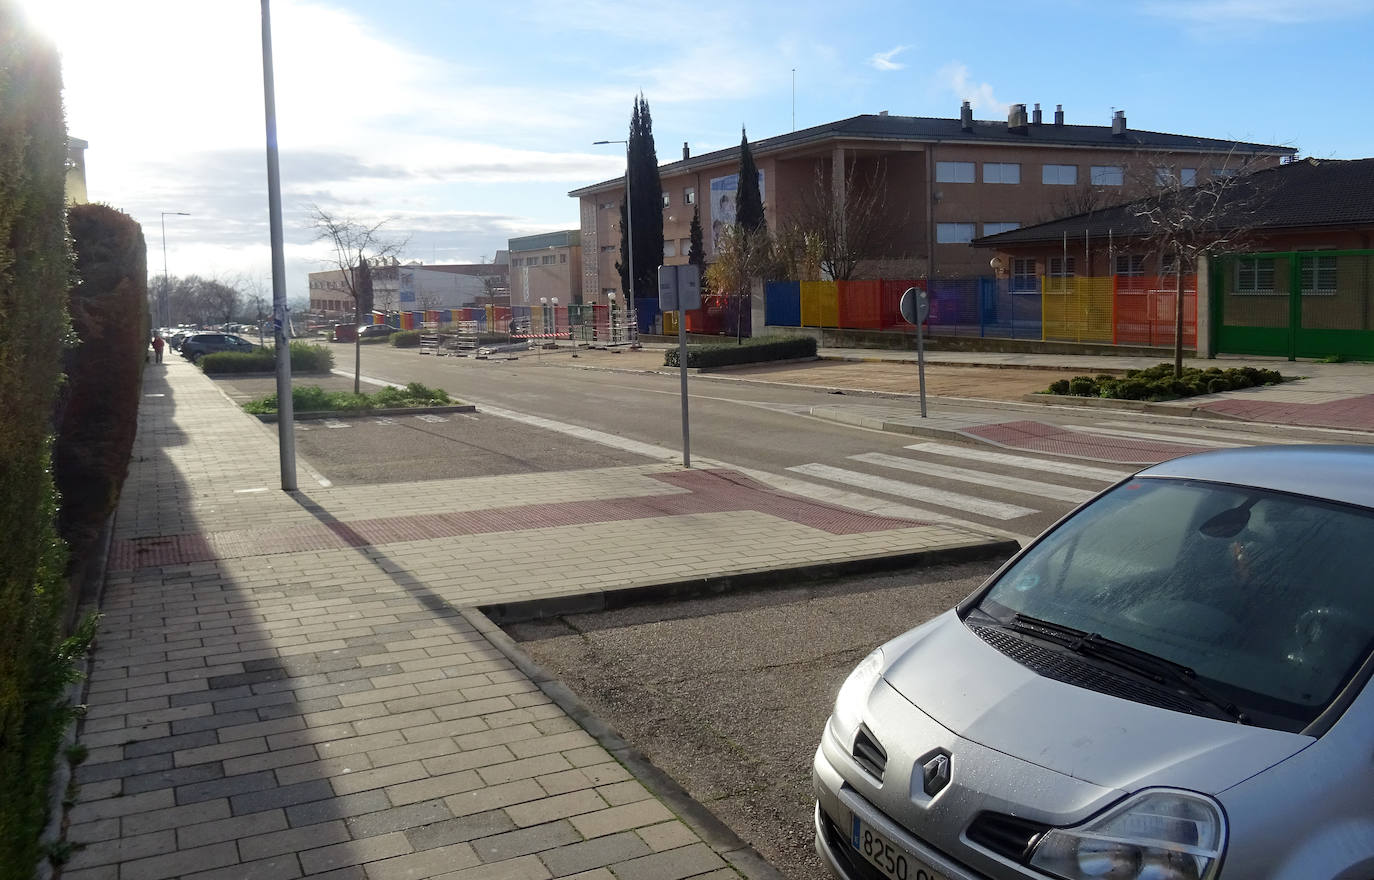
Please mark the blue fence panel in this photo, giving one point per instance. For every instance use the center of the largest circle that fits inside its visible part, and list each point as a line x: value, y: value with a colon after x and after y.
x: 955, y: 306
x: 1007, y: 314
x: 646, y: 312
x: 782, y: 303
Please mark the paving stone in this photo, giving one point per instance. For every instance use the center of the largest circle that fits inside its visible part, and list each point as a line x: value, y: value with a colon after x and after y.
x: 286, y: 867
x: 293, y: 840
x: 88, y: 772
x: 557, y: 807
x: 423, y: 864
x: 124, y: 849
x: 433, y: 787
x: 274, y: 795
x: 494, y: 796
x: 86, y: 811
x: 594, y: 854
x: 622, y: 818
x: 410, y: 817
x: 338, y: 808
x: 170, y: 744
x: 226, y: 787
x: 524, y: 768
x: 175, y: 817
x: 459, y: 830
x: 181, y: 862
x: 673, y: 864
x: 367, y: 849
x: 200, y: 834
x: 668, y: 835
x: 524, y: 841
x: 523, y: 868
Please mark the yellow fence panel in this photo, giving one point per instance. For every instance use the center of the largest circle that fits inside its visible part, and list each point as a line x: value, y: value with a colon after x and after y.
x: 1077, y: 309
x: 820, y: 304
x: 670, y: 323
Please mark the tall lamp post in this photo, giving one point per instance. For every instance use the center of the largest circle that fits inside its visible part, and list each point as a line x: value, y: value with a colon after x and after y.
x: 629, y: 238
x: 164, y: 317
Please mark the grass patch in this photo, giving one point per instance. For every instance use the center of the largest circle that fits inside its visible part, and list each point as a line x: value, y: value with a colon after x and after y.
x: 1157, y: 383
x: 305, y: 358
x: 313, y: 398
x: 752, y: 351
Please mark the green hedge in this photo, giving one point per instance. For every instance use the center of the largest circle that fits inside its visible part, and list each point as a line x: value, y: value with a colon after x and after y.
x: 405, y: 338
x: 98, y: 414
x: 1158, y: 383
x: 305, y: 358
x: 312, y: 398
x: 35, y: 275
x: 766, y: 348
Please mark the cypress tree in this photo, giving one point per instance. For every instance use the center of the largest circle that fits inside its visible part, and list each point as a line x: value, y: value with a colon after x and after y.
x: 748, y: 201
x: 697, y: 255
x: 646, y: 188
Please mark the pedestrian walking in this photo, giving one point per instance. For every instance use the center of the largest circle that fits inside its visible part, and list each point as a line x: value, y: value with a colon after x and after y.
x: 158, y: 344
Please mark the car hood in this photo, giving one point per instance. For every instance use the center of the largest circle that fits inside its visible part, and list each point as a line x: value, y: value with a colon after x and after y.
x: 978, y: 693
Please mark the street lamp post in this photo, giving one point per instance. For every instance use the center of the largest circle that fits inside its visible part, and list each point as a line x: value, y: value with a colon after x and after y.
x: 629, y: 238
x: 164, y: 317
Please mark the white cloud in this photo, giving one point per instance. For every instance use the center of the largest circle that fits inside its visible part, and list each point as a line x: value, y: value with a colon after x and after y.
x: 883, y: 60
x: 1249, y: 13
x: 955, y: 77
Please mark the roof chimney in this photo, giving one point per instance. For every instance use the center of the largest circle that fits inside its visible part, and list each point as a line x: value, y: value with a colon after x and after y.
x: 1016, y: 118
x: 882, y: 112
x: 1036, y: 117
x: 1119, y: 123
x: 966, y: 116
x: 686, y: 152
x: 1058, y: 114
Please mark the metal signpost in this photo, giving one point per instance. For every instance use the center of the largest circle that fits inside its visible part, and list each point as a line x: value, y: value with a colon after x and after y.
x: 915, y: 308
x: 679, y: 289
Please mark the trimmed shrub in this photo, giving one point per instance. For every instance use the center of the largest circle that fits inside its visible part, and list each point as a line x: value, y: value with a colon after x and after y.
x: 1158, y: 383
x: 305, y: 358
x: 312, y: 398
x: 35, y: 275
x: 758, y: 350
x: 405, y: 338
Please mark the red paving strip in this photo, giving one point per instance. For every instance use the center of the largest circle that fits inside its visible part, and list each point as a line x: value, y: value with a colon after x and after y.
x: 1353, y: 412
x: 1040, y: 437
x: 707, y: 491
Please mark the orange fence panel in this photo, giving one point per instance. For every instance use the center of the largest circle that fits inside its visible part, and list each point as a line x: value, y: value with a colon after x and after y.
x: 860, y: 304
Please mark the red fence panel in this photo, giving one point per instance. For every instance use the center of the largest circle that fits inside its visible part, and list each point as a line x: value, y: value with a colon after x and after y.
x: 891, y: 315
x: 1144, y: 309
x: 861, y: 305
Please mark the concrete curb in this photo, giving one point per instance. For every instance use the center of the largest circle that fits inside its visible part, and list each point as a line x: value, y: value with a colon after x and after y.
x: 1144, y: 406
x: 271, y: 418
x: 758, y: 579
x: 713, y: 832
x: 859, y: 420
x: 937, y: 361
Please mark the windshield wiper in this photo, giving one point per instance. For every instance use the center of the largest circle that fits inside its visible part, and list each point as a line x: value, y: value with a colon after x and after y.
x: 1157, y: 669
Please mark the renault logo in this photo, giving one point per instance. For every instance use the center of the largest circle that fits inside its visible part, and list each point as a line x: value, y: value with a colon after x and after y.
x: 935, y: 774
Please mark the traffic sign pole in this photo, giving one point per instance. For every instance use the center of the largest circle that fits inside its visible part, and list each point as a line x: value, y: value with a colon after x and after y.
x: 915, y: 308
x: 679, y: 289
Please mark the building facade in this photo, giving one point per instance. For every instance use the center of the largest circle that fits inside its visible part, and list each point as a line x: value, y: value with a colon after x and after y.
x: 546, y: 267
x: 414, y: 287
x: 944, y: 183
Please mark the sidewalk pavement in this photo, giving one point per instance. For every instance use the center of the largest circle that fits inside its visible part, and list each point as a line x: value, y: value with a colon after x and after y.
x: 297, y: 684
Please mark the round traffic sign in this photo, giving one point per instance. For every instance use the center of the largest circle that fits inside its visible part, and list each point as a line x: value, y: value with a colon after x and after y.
x: 914, y: 305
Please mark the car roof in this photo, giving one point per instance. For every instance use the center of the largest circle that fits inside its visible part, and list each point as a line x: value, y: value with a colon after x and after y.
x: 1335, y: 473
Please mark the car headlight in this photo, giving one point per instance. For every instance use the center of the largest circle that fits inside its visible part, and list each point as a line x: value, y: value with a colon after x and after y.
x: 1157, y: 835
x: 849, y: 704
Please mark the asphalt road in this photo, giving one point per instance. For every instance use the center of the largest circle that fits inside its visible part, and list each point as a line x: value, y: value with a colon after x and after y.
x: 728, y: 695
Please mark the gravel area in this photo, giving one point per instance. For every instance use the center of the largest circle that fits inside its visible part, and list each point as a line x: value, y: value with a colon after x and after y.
x: 728, y: 694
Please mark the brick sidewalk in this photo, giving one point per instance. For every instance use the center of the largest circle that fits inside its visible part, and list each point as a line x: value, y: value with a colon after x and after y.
x: 286, y: 685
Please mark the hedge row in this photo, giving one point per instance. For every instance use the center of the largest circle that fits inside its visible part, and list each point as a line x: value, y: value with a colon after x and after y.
x: 312, y: 398
x: 761, y: 349
x: 98, y: 415
x: 405, y: 338
x: 305, y: 358
x: 35, y: 274
x: 1158, y: 383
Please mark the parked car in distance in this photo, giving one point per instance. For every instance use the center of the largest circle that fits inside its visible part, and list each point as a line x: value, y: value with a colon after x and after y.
x: 345, y: 332
x: 197, y: 345
x: 1171, y: 683
x: 372, y: 331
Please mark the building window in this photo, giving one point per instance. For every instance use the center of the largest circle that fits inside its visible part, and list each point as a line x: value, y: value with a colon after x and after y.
x: 994, y: 228
x: 1023, y: 278
x: 669, y: 248
x: 954, y: 172
x: 667, y: 199
x: 1165, y: 176
x: 605, y: 206
x: 1001, y: 172
x: 562, y: 258
x: 685, y: 247
x: 1061, y: 267
x: 1059, y: 175
x: 1255, y: 275
x: 1130, y: 264
x: 607, y: 248
x: 547, y: 259
x: 954, y: 233
x: 1318, y: 276
x: 689, y: 195
x: 1108, y: 175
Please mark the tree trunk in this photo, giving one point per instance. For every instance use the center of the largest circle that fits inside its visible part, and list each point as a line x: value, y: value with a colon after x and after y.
x: 357, y: 347
x: 1178, y: 317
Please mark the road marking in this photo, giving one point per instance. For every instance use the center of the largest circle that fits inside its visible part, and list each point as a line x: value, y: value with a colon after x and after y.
x: 431, y: 418
x: 335, y: 423
x: 1033, y: 464
x: 250, y: 491
x: 1213, y: 433
x: 385, y: 420
x: 1145, y: 435
x: 969, y: 503
x: 978, y: 478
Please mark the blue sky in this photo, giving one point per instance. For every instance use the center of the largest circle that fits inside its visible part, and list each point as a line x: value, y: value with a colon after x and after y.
x: 469, y: 122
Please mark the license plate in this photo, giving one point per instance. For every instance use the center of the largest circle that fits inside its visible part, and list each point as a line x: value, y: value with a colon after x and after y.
x: 890, y: 859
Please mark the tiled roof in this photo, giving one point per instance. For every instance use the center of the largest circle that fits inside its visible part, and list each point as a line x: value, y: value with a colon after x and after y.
x: 1311, y: 192
x: 926, y: 129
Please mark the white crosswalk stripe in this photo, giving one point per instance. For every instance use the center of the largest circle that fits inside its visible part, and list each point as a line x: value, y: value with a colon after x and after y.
x: 978, y: 478
x: 1238, y: 438
x: 1155, y: 438
x: 1066, y: 468
x: 902, y: 489
x: 335, y: 423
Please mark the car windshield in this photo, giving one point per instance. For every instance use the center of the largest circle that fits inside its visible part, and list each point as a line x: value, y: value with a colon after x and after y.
x: 1265, y: 597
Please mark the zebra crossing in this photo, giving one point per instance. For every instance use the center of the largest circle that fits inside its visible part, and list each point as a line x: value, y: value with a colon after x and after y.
x: 1017, y: 493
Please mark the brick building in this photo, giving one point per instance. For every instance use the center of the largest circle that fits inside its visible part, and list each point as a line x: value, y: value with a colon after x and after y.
x: 546, y: 266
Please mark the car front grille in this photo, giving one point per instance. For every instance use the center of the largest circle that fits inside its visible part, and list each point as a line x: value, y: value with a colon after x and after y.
x: 869, y: 754
x: 1008, y: 836
x: 1076, y: 671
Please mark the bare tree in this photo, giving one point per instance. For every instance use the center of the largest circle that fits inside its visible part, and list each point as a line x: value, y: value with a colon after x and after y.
x: 1186, y: 216
x: 221, y: 300
x: 354, y: 243
x: 840, y: 233
x: 742, y: 255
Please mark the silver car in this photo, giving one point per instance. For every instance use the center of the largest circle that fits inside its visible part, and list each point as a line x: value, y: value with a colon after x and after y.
x: 1170, y: 684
